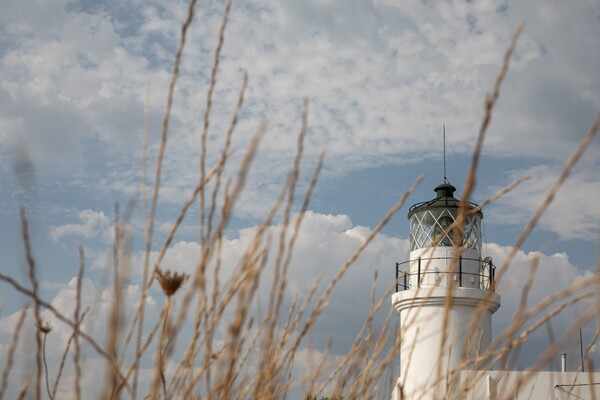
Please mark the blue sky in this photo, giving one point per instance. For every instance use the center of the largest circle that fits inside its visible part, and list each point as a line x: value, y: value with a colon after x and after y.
x: 381, y: 76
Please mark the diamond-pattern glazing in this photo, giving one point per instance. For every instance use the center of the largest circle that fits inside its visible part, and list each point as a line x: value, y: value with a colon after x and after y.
x: 430, y: 227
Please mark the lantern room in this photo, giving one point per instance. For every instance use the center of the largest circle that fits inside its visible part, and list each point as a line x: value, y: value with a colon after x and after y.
x: 440, y: 251
x: 430, y: 222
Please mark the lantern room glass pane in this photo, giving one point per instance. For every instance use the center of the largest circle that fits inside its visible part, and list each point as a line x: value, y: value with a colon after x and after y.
x: 430, y: 227
x: 472, y: 238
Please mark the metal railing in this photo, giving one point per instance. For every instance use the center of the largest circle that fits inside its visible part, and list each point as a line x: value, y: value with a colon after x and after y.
x: 485, y: 277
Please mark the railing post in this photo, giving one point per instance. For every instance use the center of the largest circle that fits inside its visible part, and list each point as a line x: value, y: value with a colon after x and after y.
x: 405, y: 284
x: 493, y: 275
x: 481, y: 274
x: 460, y: 271
x: 419, y: 273
x: 397, y: 277
x: 490, y: 273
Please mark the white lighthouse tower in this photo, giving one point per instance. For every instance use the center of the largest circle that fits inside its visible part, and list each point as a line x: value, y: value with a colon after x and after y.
x: 445, y: 297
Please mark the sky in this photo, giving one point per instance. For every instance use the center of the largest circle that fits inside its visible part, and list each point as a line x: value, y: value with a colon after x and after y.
x: 382, y: 78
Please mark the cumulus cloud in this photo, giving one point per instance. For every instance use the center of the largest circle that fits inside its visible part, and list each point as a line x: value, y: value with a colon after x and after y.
x: 325, y: 243
x: 92, y: 224
x: 554, y: 273
x: 98, y: 302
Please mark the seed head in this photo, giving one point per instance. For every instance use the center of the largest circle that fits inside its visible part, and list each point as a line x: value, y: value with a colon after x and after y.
x: 44, y: 327
x: 169, y: 281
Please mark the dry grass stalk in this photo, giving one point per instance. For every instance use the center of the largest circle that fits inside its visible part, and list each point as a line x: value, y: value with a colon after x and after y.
x: 321, y: 303
x: 136, y: 360
x: 170, y: 283
x: 168, y: 241
x: 78, y: 320
x: 243, y: 358
x: 116, y: 318
x: 279, y: 279
x: 490, y: 102
x: 320, y: 306
x: 467, y: 192
x: 214, y: 202
x: 251, y: 275
x: 64, y: 357
x: 491, y: 357
x: 90, y: 340
x: 288, y: 259
x: 550, y: 352
x: 471, y: 176
x: 11, y: 351
x: 36, y: 303
x: 199, y: 281
x: 45, y: 328
x: 286, y: 328
x: 158, y: 375
x: 586, y: 360
x: 207, y: 110
x: 183, y: 212
x: 226, y: 211
x: 373, y: 352
x: 544, y: 205
x: 163, y: 145
x: 590, y: 346
x: 269, y: 352
x: 470, y: 182
x: 518, y: 316
x: 24, y: 389
x: 369, y: 376
x: 121, y: 260
x: 224, y: 154
x: 358, y: 352
x: 203, y: 136
x: 551, y: 194
x: 500, y: 193
x: 232, y: 286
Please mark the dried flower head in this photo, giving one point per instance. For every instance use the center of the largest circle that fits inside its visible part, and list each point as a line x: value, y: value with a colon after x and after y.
x: 44, y: 327
x: 170, y: 282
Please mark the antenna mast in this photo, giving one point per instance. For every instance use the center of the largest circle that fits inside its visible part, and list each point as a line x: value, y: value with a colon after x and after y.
x: 445, y: 179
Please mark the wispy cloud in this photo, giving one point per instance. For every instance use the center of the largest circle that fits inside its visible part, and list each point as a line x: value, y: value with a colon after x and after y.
x: 573, y: 214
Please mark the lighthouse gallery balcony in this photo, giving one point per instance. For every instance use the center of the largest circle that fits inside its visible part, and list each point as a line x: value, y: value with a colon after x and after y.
x: 425, y: 272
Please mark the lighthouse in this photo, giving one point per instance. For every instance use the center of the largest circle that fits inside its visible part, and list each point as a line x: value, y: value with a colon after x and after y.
x: 445, y: 295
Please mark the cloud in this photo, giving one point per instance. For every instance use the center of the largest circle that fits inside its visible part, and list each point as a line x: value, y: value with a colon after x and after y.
x: 92, y: 224
x: 572, y: 214
x: 325, y: 242
x: 98, y: 302
x: 381, y: 79
x: 308, y: 361
x: 73, y: 74
x: 554, y: 274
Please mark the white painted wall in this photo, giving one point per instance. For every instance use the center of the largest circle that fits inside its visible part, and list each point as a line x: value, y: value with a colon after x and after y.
x: 530, y: 385
x: 516, y: 385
